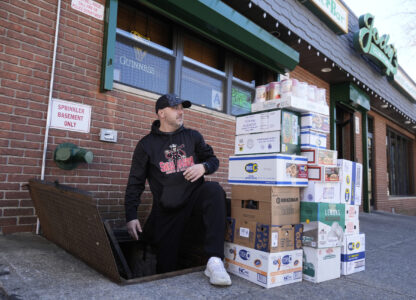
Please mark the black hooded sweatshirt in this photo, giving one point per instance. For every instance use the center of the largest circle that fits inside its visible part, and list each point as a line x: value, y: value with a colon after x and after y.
x: 161, y: 158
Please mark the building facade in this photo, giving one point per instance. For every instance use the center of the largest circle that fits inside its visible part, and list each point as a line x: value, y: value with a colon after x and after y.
x: 114, y: 58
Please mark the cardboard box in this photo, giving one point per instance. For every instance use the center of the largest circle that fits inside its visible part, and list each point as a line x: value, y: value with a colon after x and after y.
x: 314, y: 121
x: 323, y: 224
x: 353, y: 254
x: 352, y: 226
x: 352, y: 223
x: 320, y: 156
x: 256, y: 143
x: 263, y: 237
x: 312, y: 139
x: 265, y: 204
x: 265, y: 269
x: 321, y: 264
x: 268, y: 169
x: 291, y: 102
x: 290, y: 141
x: 323, y: 173
x: 321, y: 192
x: 258, y: 122
x: 351, y: 212
x: 350, y: 179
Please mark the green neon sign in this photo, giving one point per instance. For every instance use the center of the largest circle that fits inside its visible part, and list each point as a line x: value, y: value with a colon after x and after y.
x: 368, y: 42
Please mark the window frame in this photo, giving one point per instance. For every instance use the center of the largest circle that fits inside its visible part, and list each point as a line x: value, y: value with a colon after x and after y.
x: 178, y: 60
x: 398, y: 159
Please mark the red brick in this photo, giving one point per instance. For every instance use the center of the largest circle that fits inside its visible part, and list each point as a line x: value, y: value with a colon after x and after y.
x: 18, y: 211
x: 8, y: 221
x: 12, y: 9
x: 18, y: 228
x: 27, y: 220
x: 9, y: 203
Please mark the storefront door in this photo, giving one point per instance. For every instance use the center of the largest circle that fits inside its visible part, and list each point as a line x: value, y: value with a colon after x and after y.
x: 345, y: 133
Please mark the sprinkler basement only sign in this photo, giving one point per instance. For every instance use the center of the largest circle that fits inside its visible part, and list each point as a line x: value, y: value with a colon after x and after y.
x: 71, y: 116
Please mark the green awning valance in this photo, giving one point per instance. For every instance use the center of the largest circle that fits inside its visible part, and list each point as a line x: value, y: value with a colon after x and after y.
x: 219, y: 22
x: 350, y: 94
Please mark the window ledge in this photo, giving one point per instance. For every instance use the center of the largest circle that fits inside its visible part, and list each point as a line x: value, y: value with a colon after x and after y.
x: 410, y: 197
x: 154, y: 97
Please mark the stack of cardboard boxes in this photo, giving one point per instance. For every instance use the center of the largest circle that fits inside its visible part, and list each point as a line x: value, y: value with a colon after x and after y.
x: 264, y: 235
x: 274, y: 189
x: 353, y: 245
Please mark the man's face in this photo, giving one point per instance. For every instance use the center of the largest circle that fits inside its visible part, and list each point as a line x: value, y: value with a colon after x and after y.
x: 172, y: 116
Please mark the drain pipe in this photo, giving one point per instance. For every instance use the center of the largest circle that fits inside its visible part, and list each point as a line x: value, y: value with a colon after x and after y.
x: 48, y: 117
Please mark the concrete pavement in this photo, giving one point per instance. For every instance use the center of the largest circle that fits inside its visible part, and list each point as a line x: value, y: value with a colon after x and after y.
x: 33, y: 268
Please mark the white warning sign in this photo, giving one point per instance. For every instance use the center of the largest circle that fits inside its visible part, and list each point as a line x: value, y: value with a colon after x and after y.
x: 71, y: 116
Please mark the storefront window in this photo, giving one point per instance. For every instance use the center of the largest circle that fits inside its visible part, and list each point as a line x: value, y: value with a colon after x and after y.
x: 141, y: 66
x: 398, y: 150
x: 201, y: 87
x: 157, y: 55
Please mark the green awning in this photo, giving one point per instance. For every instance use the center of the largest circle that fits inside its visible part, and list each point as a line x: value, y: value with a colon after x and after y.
x: 219, y: 22
x: 350, y: 94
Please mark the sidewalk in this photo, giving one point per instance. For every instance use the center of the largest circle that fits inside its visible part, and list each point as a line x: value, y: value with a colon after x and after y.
x: 33, y: 268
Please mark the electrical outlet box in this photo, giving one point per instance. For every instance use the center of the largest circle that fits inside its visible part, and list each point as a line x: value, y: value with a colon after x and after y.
x: 108, y: 135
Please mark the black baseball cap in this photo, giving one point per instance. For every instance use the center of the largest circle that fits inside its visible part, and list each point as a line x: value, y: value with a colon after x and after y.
x: 170, y: 100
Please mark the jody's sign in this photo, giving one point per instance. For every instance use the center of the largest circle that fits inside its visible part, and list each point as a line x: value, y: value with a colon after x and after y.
x: 368, y: 41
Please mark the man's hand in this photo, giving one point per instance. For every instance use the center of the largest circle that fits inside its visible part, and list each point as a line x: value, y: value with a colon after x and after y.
x: 194, y: 173
x: 132, y: 227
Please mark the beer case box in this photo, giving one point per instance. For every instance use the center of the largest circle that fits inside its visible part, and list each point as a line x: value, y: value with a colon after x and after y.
x: 268, y: 169
x: 268, y: 142
x: 350, y: 179
x: 258, y: 122
x: 265, y: 204
x: 264, y: 237
x: 351, y: 212
x: 312, y: 139
x: 353, y: 254
x: 265, y: 269
x: 314, y: 121
x: 289, y: 101
x: 321, y: 264
x: 320, y: 156
x: 323, y: 224
x: 322, y: 173
x: 352, y: 226
x: 327, y: 192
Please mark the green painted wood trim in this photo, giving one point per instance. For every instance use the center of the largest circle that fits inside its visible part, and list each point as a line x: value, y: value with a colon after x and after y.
x: 110, y: 25
x: 219, y: 22
x: 349, y: 94
x: 332, y: 121
x: 364, y: 125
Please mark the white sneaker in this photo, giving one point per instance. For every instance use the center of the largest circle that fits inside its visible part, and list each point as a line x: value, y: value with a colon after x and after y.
x: 216, y: 272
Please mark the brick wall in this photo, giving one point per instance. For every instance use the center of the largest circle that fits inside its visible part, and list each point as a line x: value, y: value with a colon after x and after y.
x: 382, y: 200
x: 26, y: 45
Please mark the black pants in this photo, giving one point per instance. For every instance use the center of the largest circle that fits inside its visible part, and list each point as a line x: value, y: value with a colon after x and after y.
x: 207, y: 206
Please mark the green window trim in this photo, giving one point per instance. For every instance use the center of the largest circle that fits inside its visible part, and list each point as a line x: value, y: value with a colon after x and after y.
x: 212, y: 19
x: 110, y: 26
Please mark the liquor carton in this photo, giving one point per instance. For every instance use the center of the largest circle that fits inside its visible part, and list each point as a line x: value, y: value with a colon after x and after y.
x: 265, y: 269
x: 268, y: 169
x: 321, y: 264
x: 323, y: 173
x: 265, y: 204
x: 258, y: 122
x: 264, y: 237
x: 323, y: 224
x: 312, y: 139
x: 320, y: 156
x: 314, y: 121
x: 353, y: 254
x: 321, y: 192
x: 350, y: 179
x: 257, y: 143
